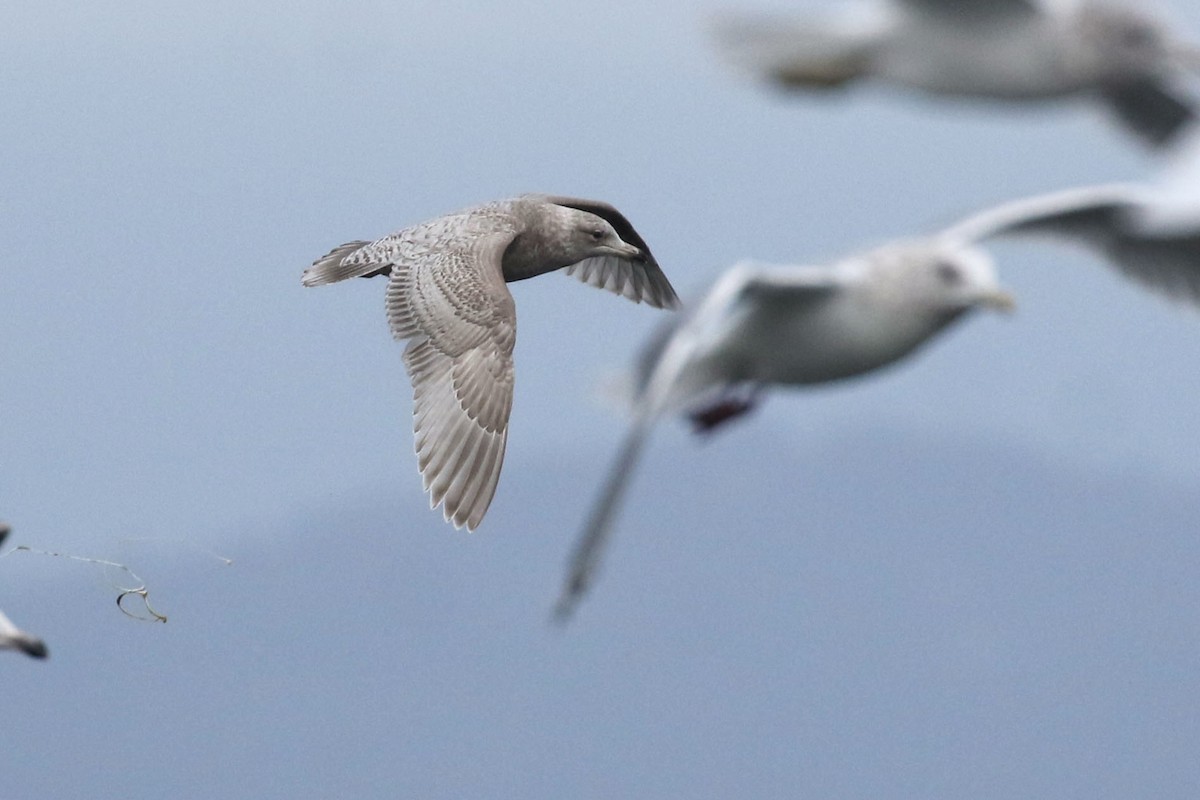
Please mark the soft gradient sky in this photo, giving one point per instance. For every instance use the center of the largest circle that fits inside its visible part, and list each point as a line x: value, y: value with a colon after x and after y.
x: 974, y: 576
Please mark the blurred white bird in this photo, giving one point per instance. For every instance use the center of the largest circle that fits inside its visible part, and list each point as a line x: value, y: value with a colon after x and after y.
x: 763, y: 325
x: 447, y: 296
x: 1018, y: 50
x: 760, y: 326
x: 12, y: 637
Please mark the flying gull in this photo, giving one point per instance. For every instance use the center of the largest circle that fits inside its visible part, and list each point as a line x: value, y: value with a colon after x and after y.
x: 1017, y: 50
x: 761, y: 325
x: 446, y: 295
x: 12, y: 637
x: 795, y: 325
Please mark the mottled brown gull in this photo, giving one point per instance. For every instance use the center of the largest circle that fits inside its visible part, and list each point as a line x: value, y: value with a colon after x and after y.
x: 447, y: 296
x: 1016, y: 50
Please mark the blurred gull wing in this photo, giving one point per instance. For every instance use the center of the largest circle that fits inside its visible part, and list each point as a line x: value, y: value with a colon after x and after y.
x: 1084, y: 212
x: 1118, y: 221
x: 454, y: 306
x: 640, y: 281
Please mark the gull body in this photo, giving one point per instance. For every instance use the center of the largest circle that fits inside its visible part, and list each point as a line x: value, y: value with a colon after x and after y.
x: 447, y: 295
x: 1014, y: 50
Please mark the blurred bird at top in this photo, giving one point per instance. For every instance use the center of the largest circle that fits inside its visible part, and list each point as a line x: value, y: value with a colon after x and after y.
x: 447, y: 295
x: 1014, y: 50
x: 762, y: 326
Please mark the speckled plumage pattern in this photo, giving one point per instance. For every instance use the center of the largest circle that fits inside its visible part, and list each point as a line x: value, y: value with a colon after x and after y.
x: 447, y: 295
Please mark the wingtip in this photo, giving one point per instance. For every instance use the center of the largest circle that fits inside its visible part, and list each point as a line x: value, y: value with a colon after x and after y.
x: 564, y: 610
x: 35, y: 648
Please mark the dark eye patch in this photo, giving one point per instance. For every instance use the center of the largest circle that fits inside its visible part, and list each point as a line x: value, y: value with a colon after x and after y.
x: 949, y: 274
x: 1137, y: 37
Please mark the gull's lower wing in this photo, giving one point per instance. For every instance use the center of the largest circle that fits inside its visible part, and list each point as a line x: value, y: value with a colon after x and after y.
x: 1151, y: 110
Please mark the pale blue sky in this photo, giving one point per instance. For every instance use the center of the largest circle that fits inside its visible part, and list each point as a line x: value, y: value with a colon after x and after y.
x: 972, y: 576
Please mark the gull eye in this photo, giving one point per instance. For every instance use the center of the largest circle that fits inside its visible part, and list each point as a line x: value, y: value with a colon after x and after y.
x: 1136, y: 38
x: 597, y: 234
x: 949, y: 274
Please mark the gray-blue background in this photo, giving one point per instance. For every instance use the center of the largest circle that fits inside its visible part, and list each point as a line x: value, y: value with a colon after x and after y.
x: 973, y: 576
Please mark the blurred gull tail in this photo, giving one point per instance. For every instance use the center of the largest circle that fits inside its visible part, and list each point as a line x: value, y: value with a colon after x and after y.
x: 590, y: 547
x: 813, y: 53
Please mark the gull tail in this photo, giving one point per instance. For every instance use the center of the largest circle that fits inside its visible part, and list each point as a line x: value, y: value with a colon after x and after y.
x: 590, y: 547
x: 342, y: 262
x: 814, y: 53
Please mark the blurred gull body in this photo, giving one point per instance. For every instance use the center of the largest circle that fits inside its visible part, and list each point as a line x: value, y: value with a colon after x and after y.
x: 761, y: 325
x: 447, y: 296
x: 1017, y: 50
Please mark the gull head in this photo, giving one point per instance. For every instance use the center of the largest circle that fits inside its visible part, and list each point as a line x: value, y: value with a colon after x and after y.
x: 938, y: 278
x: 585, y: 235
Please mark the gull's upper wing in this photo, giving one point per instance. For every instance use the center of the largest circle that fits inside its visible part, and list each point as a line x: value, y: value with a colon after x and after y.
x: 1115, y: 220
x: 1152, y: 109
x: 1085, y: 211
x: 454, y: 307
x: 640, y: 281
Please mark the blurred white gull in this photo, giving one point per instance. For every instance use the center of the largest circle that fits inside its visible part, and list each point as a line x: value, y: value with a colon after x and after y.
x: 447, y: 296
x: 12, y: 637
x: 761, y: 325
x: 1017, y: 50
